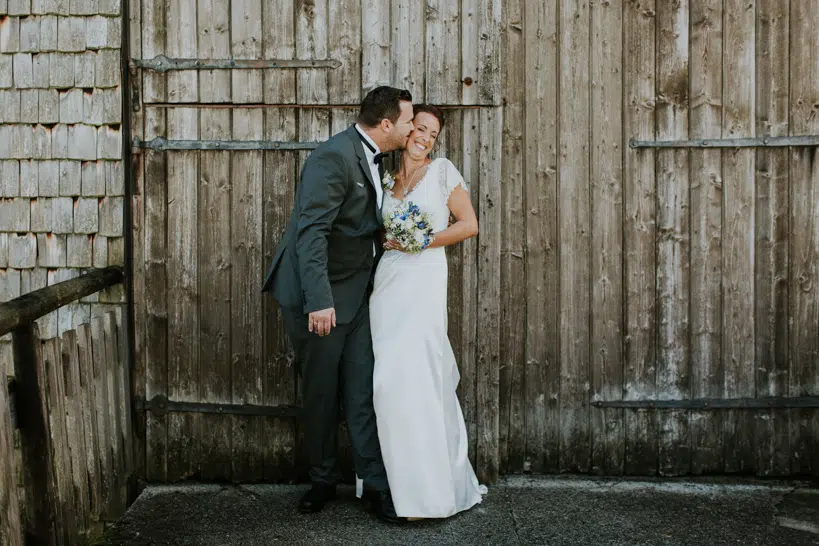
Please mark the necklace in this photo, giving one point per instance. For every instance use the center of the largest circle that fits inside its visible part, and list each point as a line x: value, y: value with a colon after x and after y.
x: 407, y: 184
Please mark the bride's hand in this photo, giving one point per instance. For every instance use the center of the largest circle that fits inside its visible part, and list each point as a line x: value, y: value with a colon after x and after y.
x: 392, y: 244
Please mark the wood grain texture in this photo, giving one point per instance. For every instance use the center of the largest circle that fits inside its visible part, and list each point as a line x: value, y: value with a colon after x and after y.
x: 738, y: 290
x: 11, y: 531
x: 488, y: 313
x: 408, y: 40
x: 542, y: 351
x: 512, y: 433
x: 247, y: 171
x: 606, y: 235
x: 574, y: 229
x: 279, y: 42
x: 443, y: 52
x: 772, y: 436
x: 804, y: 237
x: 376, y: 44
x: 246, y: 43
x: 184, y: 336
x: 278, y: 194
x: 215, y: 265
x: 707, y: 370
x: 673, y: 236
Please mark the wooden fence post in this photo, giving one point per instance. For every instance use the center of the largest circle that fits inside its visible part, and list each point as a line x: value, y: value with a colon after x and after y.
x: 10, y: 531
x: 34, y: 436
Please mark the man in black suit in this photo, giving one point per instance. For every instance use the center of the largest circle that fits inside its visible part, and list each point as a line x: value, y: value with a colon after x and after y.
x: 322, y: 275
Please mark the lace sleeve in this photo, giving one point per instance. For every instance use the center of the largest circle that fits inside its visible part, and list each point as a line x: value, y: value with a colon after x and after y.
x: 450, y: 179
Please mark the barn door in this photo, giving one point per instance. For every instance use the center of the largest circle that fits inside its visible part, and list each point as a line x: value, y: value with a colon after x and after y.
x: 228, y: 99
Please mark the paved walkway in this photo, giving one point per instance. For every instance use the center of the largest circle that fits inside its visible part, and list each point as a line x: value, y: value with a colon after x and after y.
x: 520, y: 510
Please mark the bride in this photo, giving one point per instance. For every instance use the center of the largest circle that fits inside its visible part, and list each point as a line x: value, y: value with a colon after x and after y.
x: 420, y: 424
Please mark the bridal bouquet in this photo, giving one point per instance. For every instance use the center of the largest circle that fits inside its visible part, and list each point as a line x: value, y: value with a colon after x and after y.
x: 409, y: 226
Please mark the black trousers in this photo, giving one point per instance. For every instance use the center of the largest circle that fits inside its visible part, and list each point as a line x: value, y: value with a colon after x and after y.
x: 338, y: 369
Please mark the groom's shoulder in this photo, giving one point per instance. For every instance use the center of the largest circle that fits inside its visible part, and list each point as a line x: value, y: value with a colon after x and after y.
x: 340, y: 143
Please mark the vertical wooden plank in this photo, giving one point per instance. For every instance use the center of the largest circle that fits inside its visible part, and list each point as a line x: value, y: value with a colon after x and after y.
x: 66, y: 514
x: 738, y: 248
x: 279, y: 42
x: 489, y: 49
x: 126, y: 418
x: 75, y: 420
x: 443, y: 52
x: 574, y: 227
x: 102, y: 405
x: 542, y: 351
x: 467, y: 389
x: 119, y: 492
x: 278, y: 194
x: 673, y: 268
x: 215, y: 305
x: 183, y: 294
x: 469, y: 51
x: 85, y: 366
x: 11, y: 531
x: 247, y: 170
x: 154, y: 42
x: 136, y: 179
x: 214, y: 242
x: 120, y: 397
x: 512, y: 433
x: 451, y: 146
x: 489, y: 278
x: 344, y: 36
x: 154, y: 243
x: 772, y: 436
x: 639, y: 229
x: 35, y: 439
x: 213, y: 42
x: 804, y: 239
x: 183, y: 85
x: 606, y: 242
x: 246, y: 43
x: 408, y: 40
x: 707, y: 370
x: 376, y: 44
x: 311, y: 43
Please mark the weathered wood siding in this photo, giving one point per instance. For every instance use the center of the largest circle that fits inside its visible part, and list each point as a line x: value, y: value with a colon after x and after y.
x: 601, y: 272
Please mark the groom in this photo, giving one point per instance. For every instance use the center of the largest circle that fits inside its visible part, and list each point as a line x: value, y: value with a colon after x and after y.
x: 322, y: 275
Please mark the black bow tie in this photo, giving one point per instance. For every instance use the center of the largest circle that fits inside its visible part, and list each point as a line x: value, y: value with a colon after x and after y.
x: 379, y: 157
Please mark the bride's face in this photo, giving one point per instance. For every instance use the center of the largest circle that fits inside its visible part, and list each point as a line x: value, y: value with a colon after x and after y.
x: 423, y: 136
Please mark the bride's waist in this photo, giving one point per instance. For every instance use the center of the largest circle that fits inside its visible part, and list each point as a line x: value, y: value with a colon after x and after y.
x: 431, y: 255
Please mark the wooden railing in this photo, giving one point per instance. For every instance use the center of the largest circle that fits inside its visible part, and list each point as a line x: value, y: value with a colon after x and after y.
x: 71, y: 405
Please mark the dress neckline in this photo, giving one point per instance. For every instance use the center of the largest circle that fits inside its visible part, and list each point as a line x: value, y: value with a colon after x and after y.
x: 415, y: 187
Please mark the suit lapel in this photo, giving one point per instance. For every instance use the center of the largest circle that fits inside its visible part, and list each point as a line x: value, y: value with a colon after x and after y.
x: 365, y: 165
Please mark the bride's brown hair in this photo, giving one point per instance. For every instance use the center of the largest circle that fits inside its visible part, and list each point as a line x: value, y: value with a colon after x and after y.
x: 431, y: 110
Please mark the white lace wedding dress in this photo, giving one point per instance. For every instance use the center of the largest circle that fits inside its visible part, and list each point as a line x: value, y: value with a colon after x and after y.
x: 420, y: 424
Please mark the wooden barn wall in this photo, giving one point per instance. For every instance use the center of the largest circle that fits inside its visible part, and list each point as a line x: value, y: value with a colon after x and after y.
x: 601, y: 272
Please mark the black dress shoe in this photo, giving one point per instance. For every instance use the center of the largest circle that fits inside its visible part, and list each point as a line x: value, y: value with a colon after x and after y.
x: 315, y: 499
x: 384, y: 508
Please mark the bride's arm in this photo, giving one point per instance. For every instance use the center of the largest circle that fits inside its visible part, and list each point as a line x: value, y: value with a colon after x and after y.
x: 465, y: 225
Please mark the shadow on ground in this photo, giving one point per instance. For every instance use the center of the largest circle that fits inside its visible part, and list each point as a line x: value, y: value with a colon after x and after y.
x: 520, y: 510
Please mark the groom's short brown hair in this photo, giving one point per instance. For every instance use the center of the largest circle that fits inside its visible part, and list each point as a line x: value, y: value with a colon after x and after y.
x: 382, y: 103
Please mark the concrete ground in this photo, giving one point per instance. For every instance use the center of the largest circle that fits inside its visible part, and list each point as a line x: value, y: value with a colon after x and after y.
x: 519, y: 510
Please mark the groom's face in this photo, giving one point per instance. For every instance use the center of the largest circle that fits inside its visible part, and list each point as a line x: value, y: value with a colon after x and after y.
x: 402, y: 127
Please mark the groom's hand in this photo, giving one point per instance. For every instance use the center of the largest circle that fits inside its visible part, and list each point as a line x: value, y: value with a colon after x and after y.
x: 320, y: 322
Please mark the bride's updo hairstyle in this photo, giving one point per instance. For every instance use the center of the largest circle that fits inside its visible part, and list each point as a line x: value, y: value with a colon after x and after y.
x: 430, y: 109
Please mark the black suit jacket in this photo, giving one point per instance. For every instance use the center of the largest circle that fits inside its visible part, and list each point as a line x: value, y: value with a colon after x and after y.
x: 326, y: 256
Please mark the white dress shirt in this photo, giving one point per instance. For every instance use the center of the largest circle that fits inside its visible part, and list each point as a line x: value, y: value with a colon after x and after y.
x: 379, y: 193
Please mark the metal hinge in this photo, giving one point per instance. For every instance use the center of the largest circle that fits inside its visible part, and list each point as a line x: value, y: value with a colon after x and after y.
x: 758, y: 142
x: 160, y: 405
x: 716, y: 403
x: 161, y: 63
x: 161, y: 145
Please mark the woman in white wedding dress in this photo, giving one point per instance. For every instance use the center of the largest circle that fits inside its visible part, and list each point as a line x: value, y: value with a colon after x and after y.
x: 420, y: 424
